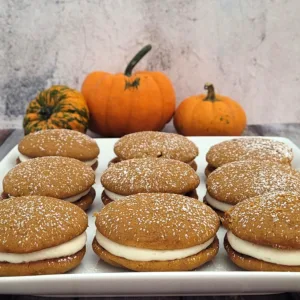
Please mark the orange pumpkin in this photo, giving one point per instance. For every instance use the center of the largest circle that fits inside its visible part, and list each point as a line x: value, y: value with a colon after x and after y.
x: 209, y: 114
x: 124, y: 103
x: 57, y: 107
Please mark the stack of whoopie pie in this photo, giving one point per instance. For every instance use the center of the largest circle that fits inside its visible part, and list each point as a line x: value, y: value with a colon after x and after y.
x: 156, y: 145
x: 59, y: 142
x: 148, y: 175
x: 150, y: 221
x: 247, y: 148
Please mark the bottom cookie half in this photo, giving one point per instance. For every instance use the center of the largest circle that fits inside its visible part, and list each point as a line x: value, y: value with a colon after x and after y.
x: 86, y: 201
x: 43, y: 267
x: 184, y: 264
x: 209, y: 169
x: 252, y: 264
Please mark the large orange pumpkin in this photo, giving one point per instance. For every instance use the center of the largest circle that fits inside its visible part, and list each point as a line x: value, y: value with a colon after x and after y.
x: 57, y: 107
x: 209, y: 114
x: 124, y: 103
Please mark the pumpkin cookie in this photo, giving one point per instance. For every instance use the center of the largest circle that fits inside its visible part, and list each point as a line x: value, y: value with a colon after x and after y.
x: 60, y: 177
x: 59, y: 142
x: 247, y: 148
x: 158, y: 145
x: 40, y: 235
x: 156, y: 232
x: 148, y: 175
x: 240, y: 180
x: 264, y: 233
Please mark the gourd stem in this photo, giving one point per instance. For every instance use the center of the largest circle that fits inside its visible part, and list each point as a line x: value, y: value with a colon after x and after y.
x: 136, y: 59
x: 211, y: 96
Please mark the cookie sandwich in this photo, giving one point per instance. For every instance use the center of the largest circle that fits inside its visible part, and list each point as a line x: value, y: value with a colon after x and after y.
x: 40, y: 235
x: 156, y: 232
x: 59, y: 142
x: 247, y: 148
x: 157, y: 145
x: 240, y: 180
x: 59, y: 177
x: 264, y: 233
x: 148, y: 175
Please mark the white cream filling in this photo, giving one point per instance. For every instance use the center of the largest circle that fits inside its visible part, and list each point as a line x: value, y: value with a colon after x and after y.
x: 90, y: 162
x: 66, y: 249
x: 222, y: 206
x: 113, y: 196
x: 140, y: 254
x: 23, y: 158
x: 191, y: 162
x: 265, y: 253
x: 76, y: 197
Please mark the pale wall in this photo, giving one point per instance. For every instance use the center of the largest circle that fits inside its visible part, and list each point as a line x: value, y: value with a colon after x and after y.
x: 249, y: 49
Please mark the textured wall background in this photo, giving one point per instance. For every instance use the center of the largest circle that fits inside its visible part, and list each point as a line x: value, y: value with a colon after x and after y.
x: 249, y: 49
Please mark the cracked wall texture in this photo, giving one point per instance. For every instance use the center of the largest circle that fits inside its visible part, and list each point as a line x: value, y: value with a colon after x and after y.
x: 249, y: 49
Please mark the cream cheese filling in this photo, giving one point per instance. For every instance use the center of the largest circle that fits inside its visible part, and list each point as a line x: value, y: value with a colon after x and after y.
x: 140, y: 254
x: 113, y: 196
x: 190, y: 162
x: 66, y: 249
x: 268, y: 254
x: 76, y: 197
x: 217, y: 204
x: 23, y: 158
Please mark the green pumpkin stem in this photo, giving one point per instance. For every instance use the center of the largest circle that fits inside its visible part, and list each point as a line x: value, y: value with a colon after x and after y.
x: 211, y: 96
x: 136, y: 59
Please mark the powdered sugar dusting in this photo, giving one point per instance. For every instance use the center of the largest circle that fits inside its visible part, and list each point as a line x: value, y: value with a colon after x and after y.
x: 156, y: 144
x: 249, y: 148
x: 33, y: 223
x: 237, y: 181
x: 271, y: 219
x: 59, y: 142
x: 150, y: 175
x: 158, y: 221
x: 58, y: 177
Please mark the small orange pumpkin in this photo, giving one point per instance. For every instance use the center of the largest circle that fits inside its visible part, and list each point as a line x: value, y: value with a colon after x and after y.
x: 124, y: 103
x: 209, y: 114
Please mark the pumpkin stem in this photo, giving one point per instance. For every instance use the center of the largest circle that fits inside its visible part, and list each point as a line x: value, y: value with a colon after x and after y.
x: 211, y: 96
x: 136, y: 59
x: 46, y: 112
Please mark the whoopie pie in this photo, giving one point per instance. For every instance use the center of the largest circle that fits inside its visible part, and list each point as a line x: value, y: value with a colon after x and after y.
x: 148, y: 175
x: 59, y: 142
x: 59, y: 177
x: 157, y: 145
x: 247, y: 149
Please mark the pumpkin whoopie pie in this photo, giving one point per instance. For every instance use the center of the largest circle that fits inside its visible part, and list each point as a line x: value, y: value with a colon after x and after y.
x: 148, y: 175
x: 247, y: 148
x: 60, y: 177
x: 40, y: 235
x: 59, y: 142
x: 240, y: 180
x: 158, y: 145
x: 264, y: 233
x: 156, y: 232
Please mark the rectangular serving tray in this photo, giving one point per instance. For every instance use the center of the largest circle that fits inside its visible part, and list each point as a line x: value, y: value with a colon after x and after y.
x: 94, y: 277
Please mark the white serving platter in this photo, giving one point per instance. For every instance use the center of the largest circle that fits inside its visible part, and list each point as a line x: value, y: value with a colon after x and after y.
x: 94, y: 277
